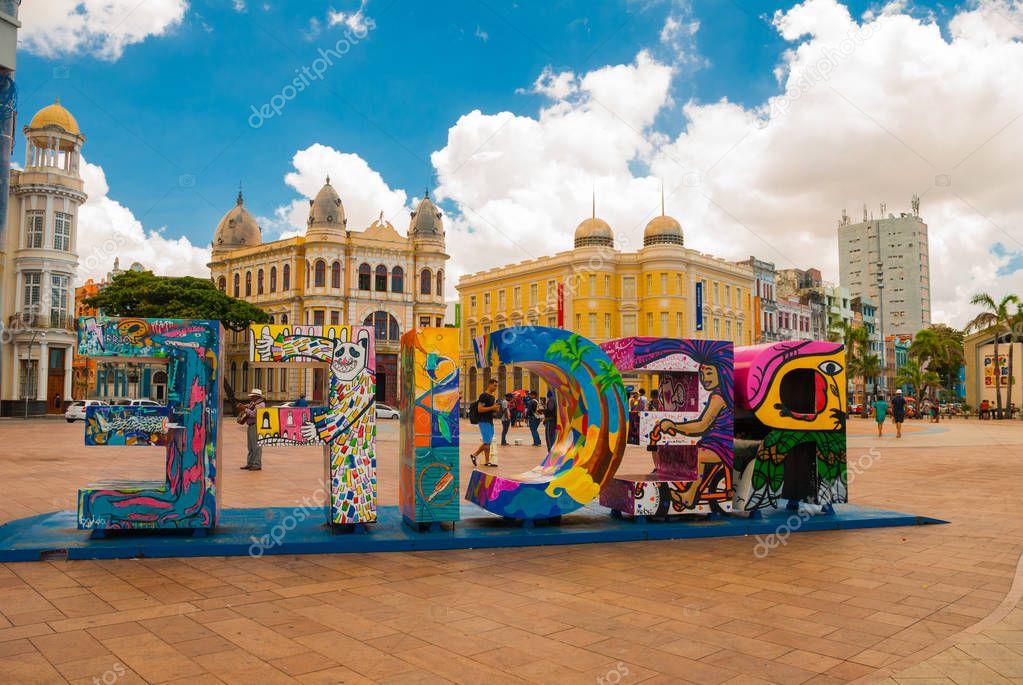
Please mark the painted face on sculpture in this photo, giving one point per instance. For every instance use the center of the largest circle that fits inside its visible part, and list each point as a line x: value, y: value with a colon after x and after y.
x: 709, y: 378
x: 350, y: 358
x: 807, y: 393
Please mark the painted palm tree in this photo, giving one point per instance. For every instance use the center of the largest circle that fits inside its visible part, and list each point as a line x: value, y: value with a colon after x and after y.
x: 995, y: 315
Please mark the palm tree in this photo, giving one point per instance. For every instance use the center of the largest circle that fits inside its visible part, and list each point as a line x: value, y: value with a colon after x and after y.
x: 920, y: 380
x: 870, y: 366
x: 938, y: 347
x: 856, y: 340
x: 995, y: 315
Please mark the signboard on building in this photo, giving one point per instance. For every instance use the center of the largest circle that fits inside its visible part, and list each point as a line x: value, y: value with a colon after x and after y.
x: 699, y: 305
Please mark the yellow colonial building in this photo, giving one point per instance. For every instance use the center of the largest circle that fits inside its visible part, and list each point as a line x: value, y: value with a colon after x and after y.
x: 603, y: 293
x: 375, y: 277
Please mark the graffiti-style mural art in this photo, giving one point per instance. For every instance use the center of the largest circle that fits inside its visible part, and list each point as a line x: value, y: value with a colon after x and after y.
x: 791, y: 399
x: 428, y: 470
x: 591, y: 423
x: 690, y: 435
x: 347, y: 426
x: 282, y: 426
x: 132, y: 426
x: 187, y: 498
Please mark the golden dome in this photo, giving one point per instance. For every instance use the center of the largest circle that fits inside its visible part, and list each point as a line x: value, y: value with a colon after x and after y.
x: 326, y: 210
x: 426, y: 220
x: 237, y: 229
x: 594, y: 231
x: 663, y: 230
x: 55, y: 115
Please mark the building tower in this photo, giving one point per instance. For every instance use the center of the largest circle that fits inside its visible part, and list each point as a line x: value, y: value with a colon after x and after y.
x: 41, y: 243
x: 426, y: 232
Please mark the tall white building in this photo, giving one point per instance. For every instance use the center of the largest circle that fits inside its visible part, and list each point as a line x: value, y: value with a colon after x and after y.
x: 38, y: 261
x: 887, y: 260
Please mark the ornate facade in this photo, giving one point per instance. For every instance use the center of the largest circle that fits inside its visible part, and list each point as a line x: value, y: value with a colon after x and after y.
x: 38, y: 264
x: 331, y: 275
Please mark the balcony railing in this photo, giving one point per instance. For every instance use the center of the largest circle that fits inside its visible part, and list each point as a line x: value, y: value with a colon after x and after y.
x: 35, y: 320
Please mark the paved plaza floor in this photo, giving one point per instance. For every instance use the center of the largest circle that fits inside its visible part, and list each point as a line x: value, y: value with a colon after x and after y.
x: 919, y: 605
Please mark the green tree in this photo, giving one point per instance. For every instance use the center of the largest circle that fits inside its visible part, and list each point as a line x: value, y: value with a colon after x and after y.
x: 143, y: 295
x: 913, y: 375
x: 939, y: 349
x: 995, y: 315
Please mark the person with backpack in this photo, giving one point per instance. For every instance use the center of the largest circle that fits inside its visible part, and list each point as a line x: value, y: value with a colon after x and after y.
x: 898, y: 412
x: 482, y: 414
x: 506, y: 417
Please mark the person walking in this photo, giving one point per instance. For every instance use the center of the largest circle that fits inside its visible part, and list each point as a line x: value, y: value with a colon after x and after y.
x: 254, y: 460
x: 898, y: 412
x: 533, y: 416
x: 506, y: 417
x: 880, y: 414
x: 486, y: 407
x: 550, y: 419
x: 641, y: 401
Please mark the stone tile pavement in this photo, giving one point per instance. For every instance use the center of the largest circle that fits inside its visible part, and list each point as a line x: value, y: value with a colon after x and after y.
x: 920, y: 605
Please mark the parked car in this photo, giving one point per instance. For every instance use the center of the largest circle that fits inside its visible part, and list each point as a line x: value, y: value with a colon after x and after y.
x: 386, y: 411
x: 856, y: 409
x: 134, y: 403
x: 76, y: 410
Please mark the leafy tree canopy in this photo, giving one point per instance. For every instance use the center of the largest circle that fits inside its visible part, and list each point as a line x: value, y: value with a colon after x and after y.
x: 144, y: 295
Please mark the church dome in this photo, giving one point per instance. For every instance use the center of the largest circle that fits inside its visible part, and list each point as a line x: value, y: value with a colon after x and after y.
x: 663, y: 230
x: 594, y: 231
x: 237, y: 229
x: 426, y: 220
x: 326, y: 211
x: 55, y: 115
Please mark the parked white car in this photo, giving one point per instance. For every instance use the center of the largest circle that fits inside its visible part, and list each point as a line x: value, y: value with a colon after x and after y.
x: 76, y: 410
x: 136, y: 403
x: 386, y: 411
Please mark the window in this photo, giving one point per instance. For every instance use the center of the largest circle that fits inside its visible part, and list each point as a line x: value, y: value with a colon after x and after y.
x: 472, y: 304
x: 738, y: 296
x: 284, y: 318
x: 472, y: 332
x: 664, y: 324
x: 364, y: 276
x: 593, y: 325
x: 486, y: 302
x: 650, y: 323
x: 222, y: 284
x: 286, y: 277
x: 29, y: 374
x: 32, y: 283
x: 385, y: 326
x: 439, y: 321
x: 678, y: 283
x: 335, y: 275
x: 649, y: 285
x: 380, y: 278
x: 248, y: 283
x: 440, y: 283
x: 607, y: 285
x: 728, y: 295
x: 257, y: 377
x: 678, y: 324
x: 237, y: 284
x: 273, y: 279
x: 35, y: 224
x: 425, y: 283
x: 424, y: 322
x: 259, y: 282
x: 284, y: 380
x: 62, y: 231
x: 517, y: 297
x: 500, y: 300
x: 664, y: 284
x: 318, y: 317
x: 578, y: 323
x: 607, y: 325
x: 552, y: 321
x: 271, y: 319
x: 397, y: 280
x: 717, y: 293
x: 717, y: 329
x: 592, y: 285
x: 738, y: 331
x: 270, y: 379
x: 335, y: 317
x: 728, y: 329
x: 629, y: 287
x: 320, y: 274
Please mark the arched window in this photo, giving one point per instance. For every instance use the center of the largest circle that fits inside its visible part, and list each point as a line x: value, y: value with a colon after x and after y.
x: 320, y: 278
x: 234, y: 375
x: 397, y: 280
x: 222, y: 284
x: 286, y: 277
x: 284, y: 318
x: 245, y: 377
x: 273, y: 279
x: 259, y: 282
x: 335, y: 275
x: 425, y: 282
x: 271, y: 319
x: 237, y: 284
x: 385, y: 326
x: 381, y: 279
x: 248, y: 283
x: 364, y: 274
x: 440, y: 283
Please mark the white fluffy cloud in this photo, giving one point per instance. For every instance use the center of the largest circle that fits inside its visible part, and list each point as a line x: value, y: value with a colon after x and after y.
x: 102, y: 28
x: 362, y: 190
x: 870, y: 111
x: 356, y: 22
x: 108, y: 230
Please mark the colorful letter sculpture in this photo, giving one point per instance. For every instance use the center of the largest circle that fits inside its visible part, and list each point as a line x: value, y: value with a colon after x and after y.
x: 188, y: 496
x: 126, y: 425
x: 591, y: 423
x: 690, y: 436
x: 347, y: 426
x: 791, y: 400
x: 428, y: 469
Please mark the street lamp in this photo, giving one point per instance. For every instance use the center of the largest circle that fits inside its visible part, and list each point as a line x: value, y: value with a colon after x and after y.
x: 41, y: 334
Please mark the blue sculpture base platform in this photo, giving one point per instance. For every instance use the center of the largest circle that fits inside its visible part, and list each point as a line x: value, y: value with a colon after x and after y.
x: 279, y: 530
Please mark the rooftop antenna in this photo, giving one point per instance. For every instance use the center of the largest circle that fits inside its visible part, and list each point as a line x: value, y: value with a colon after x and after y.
x: 593, y: 190
x: 662, y: 197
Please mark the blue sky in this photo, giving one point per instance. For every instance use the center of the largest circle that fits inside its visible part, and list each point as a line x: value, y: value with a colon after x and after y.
x: 760, y: 123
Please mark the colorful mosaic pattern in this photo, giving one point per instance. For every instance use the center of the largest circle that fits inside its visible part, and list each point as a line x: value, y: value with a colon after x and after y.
x: 187, y: 498
x: 591, y: 423
x: 347, y: 426
x: 428, y: 469
x: 795, y: 393
x: 131, y: 426
x: 690, y: 437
